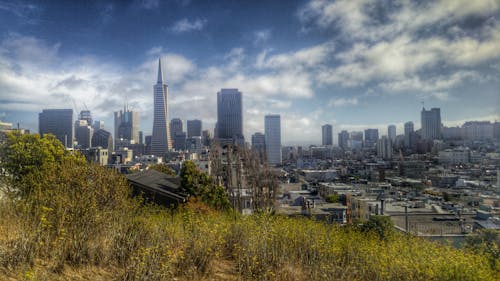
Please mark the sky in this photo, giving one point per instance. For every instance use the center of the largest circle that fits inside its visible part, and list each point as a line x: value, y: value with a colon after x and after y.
x: 353, y: 64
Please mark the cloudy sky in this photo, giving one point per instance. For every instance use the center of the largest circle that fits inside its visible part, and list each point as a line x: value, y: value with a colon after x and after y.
x: 353, y: 64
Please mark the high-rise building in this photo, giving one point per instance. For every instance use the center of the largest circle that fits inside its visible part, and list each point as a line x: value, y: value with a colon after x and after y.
x: 230, y: 116
x: 175, y: 126
x: 384, y: 148
x: 371, y: 137
x: 206, y: 137
x: 103, y: 139
x: 478, y: 130
x: 193, y: 128
x: 356, y: 140
x: 431, y: 124
x: 160, y: 141
x: 344, y: 139
x: 126, y: 126
x: 327, y: 134
x: 85, y: 115
x: 409, y: 130
x: 259, y: 144
x: 141, y: 137
x: 83, y: 134
x: 179, y: 141
x: 98, y: 125
x: 391, y: 132
x: 272, y: 125
x: 58, y: 122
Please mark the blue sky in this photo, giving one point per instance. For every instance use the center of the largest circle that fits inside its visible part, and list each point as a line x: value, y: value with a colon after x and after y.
x: 353, y: 64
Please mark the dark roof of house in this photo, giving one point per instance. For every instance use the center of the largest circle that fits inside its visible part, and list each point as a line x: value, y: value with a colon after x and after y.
x: 158, y: 182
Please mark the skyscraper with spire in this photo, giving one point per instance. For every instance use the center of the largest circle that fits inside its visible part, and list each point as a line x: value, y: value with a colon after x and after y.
x: 160, y: 140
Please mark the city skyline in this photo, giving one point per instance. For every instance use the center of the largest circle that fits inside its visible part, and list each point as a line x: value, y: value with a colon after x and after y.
x: 300, y: 64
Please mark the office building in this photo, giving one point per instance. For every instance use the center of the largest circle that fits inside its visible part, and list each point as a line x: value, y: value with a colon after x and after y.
x: 83, y: 134
x: 259, y: 144
x: 160, y: 141
x: 409, y: 131
x: 98, y: 125
x: 371, y: 137
x: 206, y: 137
x: 102, y: 138
x: 344, y: 139
x: 175, y: 126
x: 179, y: 141
x: 327, y: 134
x: 356, y: 140
x: 391, y: 133
x: 126, y: 126
x: 141, y: 137
x: 431, y: 124
x: 272, y: 125
x: 85, y: 115
x: 384, y: 148
x: 58, y: 122
x: 230, y: 116
x: 193, y: 128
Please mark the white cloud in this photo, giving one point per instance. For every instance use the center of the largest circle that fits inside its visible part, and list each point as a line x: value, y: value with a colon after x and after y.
x: 185, y: 25
x: 261, y: 36
x: 334, y: 102
x: 307, y: 57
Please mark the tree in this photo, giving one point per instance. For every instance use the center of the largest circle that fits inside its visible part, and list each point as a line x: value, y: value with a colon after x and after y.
x: 24, y: 154
x: 163, y: 168
x: 487, y: 242
x: 381, y: 225
x: 198, y: 184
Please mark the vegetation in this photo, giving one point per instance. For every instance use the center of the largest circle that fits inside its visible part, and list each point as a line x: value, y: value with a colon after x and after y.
x: 163, y: 168
x: 332, y: 198
x: 76, y: 221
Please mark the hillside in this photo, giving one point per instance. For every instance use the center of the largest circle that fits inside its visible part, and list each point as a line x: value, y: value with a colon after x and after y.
x: 63, y: 219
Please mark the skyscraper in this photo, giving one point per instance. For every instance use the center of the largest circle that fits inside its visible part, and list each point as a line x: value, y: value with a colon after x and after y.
x: 58, y: 122
x: 344, y: 139
x: 126, y: 126
x: 391, y: 132
x: 85, y: 115
x: 272, y: 126
x: 431, y: 124
x: 408, y: 133
x: 230, y: 116
x: 327, y: 134
x: 83, y: 134
x: 384, y: 148
x: 371, y: 137
x: 193, y: 128
x: 177, y: 135
x: 259, y: 144
x: 103, y: 139
x: 175, y: 126
x: 160, y: 140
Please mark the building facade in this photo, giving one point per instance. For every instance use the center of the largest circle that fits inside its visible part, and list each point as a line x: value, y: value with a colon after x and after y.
x: 391, y: 132
x: 409, y: 130
x: 259, y: 144
x: 83, y: 134
x: 272, y: 125
x: 193, y: 128
x: 230, y: 116
x: 431, y: 124
x: 371, y: 137
x: 126, y: 126
x: 58, y: 122
x: 327, y: 134
x: 344, y: 139
x: 160, y: 140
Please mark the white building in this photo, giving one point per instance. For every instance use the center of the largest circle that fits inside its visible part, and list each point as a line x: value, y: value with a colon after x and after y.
x: 272, y: 134
x: 384, y: 148
x: 455, y: 156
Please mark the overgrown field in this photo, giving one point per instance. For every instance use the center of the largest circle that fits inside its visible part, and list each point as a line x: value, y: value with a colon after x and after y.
x: 62, y: 219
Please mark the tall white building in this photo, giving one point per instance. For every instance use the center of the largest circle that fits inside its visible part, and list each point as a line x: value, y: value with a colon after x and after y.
x: 272, y: 124
x: 160, y: 140
x: 384, y: 148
